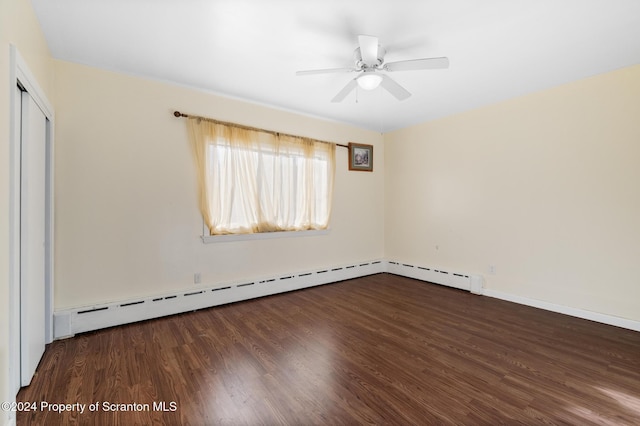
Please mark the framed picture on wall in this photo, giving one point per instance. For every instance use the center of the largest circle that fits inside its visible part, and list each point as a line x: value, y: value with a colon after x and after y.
x: 360, y: 157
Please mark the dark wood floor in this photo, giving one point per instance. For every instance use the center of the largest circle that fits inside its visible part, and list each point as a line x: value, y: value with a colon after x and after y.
x: 375, y: 350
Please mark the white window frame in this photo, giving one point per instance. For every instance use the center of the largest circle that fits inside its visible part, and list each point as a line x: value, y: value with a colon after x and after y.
x: 213, y: 239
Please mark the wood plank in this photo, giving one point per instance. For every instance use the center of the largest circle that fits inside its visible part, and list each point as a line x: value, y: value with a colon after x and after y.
x: 380, y: 350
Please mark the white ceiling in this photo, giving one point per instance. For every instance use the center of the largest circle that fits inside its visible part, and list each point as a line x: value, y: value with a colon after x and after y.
x: 251, y: 49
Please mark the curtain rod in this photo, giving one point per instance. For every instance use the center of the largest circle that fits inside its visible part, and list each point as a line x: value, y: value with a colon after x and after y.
x: 179, y: 114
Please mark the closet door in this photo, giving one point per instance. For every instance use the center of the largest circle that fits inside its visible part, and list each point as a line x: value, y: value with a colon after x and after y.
x: 32, y: 237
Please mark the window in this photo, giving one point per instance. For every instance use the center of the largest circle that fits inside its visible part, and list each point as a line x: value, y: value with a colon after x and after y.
x: 254, y: 181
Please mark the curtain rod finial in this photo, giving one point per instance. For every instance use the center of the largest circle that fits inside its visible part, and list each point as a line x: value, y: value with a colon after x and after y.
x: 178, y: 114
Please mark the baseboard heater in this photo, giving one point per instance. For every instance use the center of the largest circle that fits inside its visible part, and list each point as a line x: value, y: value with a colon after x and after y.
x: 472, y: 283
x: 72, y: 321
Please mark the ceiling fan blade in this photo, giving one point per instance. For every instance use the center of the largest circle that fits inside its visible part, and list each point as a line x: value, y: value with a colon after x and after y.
x: 418, y: 64
x: 324, y: 71
x: 345, y: 91
x: 368, y: 49
x: 399, y: 92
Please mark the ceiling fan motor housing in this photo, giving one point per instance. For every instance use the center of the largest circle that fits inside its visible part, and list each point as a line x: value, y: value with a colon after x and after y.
x: 361, y: 65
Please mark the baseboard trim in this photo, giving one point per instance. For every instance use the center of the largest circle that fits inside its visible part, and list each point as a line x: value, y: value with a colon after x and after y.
x: 567, y: 310
x: 89, y: 318
x: 456, y: 279
x: 474, y: 284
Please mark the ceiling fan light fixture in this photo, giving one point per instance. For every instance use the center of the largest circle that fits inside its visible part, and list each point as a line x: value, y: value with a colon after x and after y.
x: 369, y: 81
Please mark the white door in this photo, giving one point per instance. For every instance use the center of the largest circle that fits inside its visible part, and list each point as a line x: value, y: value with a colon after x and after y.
x: 33, y: 181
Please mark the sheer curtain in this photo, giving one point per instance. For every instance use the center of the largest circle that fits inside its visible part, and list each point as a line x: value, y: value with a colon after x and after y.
x: 256, y: 181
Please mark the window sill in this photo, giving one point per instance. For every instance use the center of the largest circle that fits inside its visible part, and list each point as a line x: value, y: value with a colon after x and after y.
x: 212, y: 239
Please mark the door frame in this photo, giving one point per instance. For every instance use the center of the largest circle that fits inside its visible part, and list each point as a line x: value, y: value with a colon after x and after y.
x: 20, y: 74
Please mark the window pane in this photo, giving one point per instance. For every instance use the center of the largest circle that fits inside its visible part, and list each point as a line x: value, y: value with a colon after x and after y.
x: 259, y: 182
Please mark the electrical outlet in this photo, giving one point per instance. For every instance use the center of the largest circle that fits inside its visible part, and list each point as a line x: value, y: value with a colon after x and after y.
x: 492, y: 269
x: 196, y: 278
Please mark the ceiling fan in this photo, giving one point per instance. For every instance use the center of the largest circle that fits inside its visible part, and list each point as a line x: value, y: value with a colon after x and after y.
x: 369, y: 62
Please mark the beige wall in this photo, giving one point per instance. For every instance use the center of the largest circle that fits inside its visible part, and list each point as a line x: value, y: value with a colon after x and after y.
x: 544, y: 187
x: 127, y: 219
x: 18, y: 26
